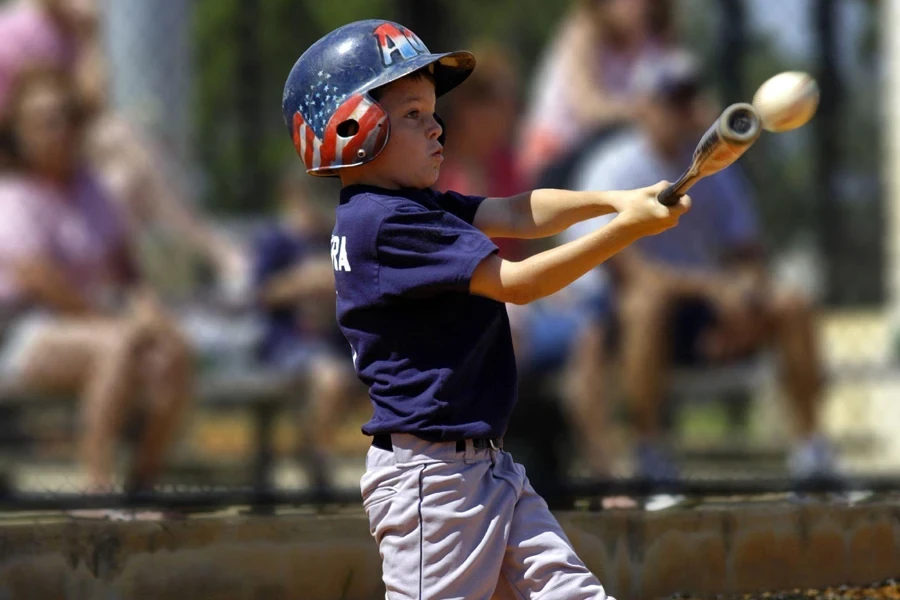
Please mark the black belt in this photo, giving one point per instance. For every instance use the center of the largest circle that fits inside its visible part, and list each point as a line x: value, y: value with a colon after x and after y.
x: 383, y: 441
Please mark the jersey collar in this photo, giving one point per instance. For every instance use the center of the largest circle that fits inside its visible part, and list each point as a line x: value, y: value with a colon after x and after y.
x: 415, y: 194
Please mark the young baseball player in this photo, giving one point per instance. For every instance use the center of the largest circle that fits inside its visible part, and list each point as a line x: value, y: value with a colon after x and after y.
x: 421, y: 299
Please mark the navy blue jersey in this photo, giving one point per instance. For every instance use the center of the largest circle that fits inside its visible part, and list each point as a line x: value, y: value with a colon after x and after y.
x: 438, y: 361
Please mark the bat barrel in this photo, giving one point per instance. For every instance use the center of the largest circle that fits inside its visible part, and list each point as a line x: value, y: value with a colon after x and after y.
x: 724, y: 142
x: 740, y: 123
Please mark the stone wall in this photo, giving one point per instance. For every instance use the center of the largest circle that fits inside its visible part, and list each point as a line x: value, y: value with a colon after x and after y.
x: 637, y: 555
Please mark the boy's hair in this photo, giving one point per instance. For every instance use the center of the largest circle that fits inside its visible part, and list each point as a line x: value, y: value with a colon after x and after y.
x: 423, y: 73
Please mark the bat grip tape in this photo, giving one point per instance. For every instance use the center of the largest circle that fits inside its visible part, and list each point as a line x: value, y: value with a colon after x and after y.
x: 669, y: 196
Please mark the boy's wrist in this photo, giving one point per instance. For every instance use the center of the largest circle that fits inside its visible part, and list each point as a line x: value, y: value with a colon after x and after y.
x: 607, y: 202
x: 626, y: 229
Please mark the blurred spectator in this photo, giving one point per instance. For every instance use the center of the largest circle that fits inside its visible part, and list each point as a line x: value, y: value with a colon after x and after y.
x: 40, y: 32
x: 582, y: 85
x: 65, y: 34
x: 480, y: 127
x: 294, y: 279
x: 699, y: 294
x: 153, y: 194
x: 65, y: 274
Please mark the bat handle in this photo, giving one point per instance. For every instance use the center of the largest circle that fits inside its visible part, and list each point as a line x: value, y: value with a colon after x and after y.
x: 670, y: 196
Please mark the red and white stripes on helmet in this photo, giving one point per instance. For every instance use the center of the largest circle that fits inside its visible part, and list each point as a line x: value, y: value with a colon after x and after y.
x: 342, y: 150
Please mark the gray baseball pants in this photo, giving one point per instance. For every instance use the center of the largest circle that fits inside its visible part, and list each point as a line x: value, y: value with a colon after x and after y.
x: 466, y: 525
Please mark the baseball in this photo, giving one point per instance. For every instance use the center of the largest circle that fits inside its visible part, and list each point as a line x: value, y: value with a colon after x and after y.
x: 787, y: 101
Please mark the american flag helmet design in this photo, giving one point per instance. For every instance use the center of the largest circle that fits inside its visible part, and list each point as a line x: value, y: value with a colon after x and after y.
x: 332, y: 119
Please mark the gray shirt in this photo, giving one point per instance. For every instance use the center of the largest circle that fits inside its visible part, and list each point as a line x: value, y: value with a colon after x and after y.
x: 722, y: 215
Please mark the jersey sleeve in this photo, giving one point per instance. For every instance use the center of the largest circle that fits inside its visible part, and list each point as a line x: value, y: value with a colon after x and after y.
x: 460, y: 205
x: 425, y: 252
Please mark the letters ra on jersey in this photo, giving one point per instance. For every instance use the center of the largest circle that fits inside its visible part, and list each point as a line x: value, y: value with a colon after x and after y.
x: 339, y: 253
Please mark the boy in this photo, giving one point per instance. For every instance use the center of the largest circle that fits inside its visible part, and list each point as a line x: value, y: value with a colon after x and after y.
x: 421, y: 299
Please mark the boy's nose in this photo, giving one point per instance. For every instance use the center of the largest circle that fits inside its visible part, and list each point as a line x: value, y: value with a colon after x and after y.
x: 435, y: 126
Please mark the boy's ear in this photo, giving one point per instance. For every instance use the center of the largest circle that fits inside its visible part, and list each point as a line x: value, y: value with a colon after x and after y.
x: 443, y: 137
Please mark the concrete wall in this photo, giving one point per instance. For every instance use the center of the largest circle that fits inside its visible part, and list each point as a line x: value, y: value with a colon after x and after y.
x: 637, y: 555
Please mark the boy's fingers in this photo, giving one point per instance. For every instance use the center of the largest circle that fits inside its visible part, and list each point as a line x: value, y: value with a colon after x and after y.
x: 659, y: 187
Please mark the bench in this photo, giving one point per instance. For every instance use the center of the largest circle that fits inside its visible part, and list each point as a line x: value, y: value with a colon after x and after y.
x: 735, y: 383
x: 259, y: 392
x: 747, y: 375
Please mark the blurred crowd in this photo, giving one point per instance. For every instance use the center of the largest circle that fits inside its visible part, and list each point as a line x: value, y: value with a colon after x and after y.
x: 615, y: 102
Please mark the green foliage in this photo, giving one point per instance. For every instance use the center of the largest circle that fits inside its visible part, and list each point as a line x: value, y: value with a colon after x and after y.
x: 215, y: 109
x: 285, y: 28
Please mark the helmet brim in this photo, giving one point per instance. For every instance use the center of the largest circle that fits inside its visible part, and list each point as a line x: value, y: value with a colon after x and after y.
x: 450, y: 70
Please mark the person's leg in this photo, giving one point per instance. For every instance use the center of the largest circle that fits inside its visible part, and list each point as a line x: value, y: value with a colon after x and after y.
x: 540, y: 561
x: 330, y: 387
x: 585, y: 403
x: 793, y: 334
x: 643, y: 320
x: 440, y: 518
x: 166, y: 375
x: 96, y: 359
x: 645, y: 338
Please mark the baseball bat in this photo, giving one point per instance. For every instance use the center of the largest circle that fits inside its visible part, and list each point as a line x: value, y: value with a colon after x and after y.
x: 723, y: 143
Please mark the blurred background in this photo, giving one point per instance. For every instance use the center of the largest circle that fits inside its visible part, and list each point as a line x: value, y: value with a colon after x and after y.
x: 166, y: 299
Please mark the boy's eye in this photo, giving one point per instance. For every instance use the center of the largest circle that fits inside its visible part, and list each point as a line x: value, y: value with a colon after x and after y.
x: 413, y: 114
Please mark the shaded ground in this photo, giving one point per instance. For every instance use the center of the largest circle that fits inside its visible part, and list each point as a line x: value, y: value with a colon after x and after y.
x: 890, y: 588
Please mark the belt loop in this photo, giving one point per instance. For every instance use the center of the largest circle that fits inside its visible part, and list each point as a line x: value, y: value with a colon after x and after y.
x: 470, y: 452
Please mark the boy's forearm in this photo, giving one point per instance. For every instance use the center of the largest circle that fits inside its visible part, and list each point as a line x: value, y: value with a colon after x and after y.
x: 546, y: 273
x: 541, y: 213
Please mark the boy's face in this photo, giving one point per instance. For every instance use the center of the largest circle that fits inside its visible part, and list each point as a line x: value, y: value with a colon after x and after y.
x: 413, y: 156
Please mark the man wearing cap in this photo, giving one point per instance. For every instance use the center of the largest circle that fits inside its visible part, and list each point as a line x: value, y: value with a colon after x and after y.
x: 698, y: 294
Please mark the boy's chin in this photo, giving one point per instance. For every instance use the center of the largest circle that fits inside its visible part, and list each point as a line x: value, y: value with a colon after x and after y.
x: 426, y: 181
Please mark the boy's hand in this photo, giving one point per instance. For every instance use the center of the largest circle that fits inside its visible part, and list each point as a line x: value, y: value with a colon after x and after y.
x: 642, y: 213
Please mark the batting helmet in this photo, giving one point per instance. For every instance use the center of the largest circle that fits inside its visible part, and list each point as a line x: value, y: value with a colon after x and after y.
x: 333, y: 121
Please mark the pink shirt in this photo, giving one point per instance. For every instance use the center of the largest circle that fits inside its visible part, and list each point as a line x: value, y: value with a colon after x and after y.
x: 551, y: 125
x: 27, y: 37
x: 79, y: 230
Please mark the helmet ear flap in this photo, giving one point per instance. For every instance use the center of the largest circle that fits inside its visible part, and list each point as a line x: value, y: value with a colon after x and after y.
x: 443, y: 137
x: 357, y: 132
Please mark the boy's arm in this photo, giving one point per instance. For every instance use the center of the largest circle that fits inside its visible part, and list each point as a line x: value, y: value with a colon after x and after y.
x: 542, y: 213
x: 548, y: 272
